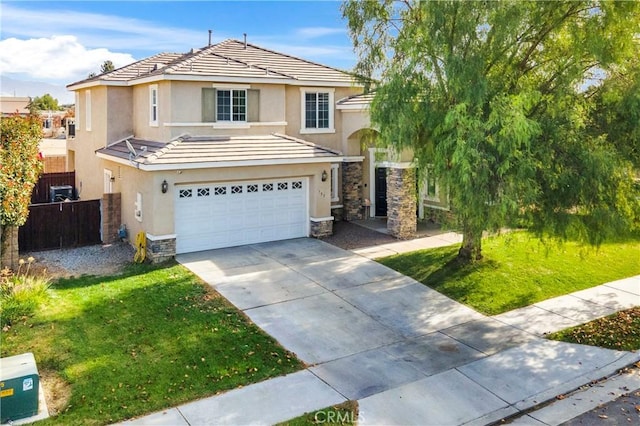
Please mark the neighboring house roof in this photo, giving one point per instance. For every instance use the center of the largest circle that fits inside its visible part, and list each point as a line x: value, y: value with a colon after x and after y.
x: 234, y: 59
x: 198, y: 152
x: 357, y: 102
x: 12, y: 104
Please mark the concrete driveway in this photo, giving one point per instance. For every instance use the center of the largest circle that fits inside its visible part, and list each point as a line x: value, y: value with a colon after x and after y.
x: 409, y: 354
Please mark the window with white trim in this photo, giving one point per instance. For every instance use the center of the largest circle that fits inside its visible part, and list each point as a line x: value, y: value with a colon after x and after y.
x: 431, y: 187
x: 335, y: 195
x: 87, y: 110
x: 231, y: 105
x: 317, y: 110
x: 153, y: 105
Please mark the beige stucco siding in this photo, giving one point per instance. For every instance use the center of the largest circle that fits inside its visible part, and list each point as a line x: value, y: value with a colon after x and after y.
x: 294, y: 117
x: 89, y: 170
x: 120, y: 113
x: 158, y: 210
x: 180, y: 111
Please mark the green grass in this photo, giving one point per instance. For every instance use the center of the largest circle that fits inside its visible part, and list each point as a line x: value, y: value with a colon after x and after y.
x: 342, y: 414
x: 154, y: 337
x: 518, y: 270
x: 620, y: 331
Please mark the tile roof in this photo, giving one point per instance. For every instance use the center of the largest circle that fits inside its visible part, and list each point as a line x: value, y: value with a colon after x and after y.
x: 218, y: 151
x: 229, y: 58
x: 356, y: 101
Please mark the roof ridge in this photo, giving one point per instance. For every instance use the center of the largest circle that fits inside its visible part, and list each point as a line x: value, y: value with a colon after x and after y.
x: 104, y: 76
x: 267, y: 69
x: 170, y: 145
x: 290, y: 56
x: 304, y: 142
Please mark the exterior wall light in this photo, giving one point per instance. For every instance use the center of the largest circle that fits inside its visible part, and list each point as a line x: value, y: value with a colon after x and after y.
x: 164, y: 187
x: 324, y: 176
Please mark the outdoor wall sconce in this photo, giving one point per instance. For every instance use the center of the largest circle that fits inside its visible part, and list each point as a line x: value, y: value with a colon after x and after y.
x: 324, y: 176
x: 164, y: 187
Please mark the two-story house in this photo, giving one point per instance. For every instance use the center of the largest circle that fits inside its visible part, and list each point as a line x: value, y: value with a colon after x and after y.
x: 229, y: 145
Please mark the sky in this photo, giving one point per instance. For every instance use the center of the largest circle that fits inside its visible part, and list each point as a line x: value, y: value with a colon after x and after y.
x: 60, y: 42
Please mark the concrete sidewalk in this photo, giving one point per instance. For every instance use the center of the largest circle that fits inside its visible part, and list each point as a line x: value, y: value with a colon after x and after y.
x: 408, y: 354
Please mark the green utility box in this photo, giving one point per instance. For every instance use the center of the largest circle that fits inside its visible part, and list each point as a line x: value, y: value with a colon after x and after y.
x: 19, y: 386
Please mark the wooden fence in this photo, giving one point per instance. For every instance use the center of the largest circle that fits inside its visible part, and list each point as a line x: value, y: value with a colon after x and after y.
x: 47, y: 180
x: 61, y: 225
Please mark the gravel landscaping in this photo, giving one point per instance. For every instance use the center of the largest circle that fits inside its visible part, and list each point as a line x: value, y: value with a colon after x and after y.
x: 90, y: 260
x: 349, y: 236
x: 111, y: 258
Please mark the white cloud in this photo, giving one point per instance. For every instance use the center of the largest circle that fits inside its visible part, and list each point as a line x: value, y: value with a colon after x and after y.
x: 58, y: 58
x: 315, y: 32
x: 98, y: 30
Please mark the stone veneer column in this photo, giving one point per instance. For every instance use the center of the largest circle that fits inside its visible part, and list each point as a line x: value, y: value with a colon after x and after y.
x: 111, y: 217
x: 160, y: 248
x: 401, y: 202
x: 352, y: 190
x: 321, y: 227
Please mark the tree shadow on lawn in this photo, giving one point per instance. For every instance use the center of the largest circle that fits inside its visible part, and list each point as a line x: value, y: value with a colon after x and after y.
x: 440, y: 270
x: 152, y: 347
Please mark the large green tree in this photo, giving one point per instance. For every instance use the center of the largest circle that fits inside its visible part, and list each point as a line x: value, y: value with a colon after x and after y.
x: 20, y: 168
x: 45, y: 102
x: 493, y: 95
x: 616, y: 110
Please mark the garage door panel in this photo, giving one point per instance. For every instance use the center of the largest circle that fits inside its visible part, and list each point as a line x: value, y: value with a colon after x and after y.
x: 239, y: 213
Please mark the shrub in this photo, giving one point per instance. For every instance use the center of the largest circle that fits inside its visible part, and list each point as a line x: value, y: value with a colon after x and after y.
x: 20, y: 292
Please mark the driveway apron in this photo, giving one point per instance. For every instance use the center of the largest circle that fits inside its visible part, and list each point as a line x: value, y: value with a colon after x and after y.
x: 359, y: 325
x: 408, y: 354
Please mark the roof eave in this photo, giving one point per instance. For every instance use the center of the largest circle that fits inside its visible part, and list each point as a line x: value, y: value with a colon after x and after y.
x: 87, y: 84
x: 244, y: 80
x: 219, y: 164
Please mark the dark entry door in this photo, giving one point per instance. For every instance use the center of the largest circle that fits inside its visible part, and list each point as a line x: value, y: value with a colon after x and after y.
x: 381, y: 191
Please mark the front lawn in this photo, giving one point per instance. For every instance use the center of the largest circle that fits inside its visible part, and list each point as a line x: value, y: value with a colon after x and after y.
x: 518, y: 270
x: 112, y: 348
x: 620, y: 331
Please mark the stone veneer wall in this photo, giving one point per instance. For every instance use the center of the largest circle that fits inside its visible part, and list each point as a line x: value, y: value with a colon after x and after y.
x: 322, y: 228
x: 337, y: 213
x: 401, y: 202
x: 160, y: 250
x: 352, y: 190
x: 111, y: 217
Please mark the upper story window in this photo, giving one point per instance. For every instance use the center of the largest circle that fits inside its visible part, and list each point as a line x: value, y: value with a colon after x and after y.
x: 317, y: 110
x: 231, y: 105
x: 87, y: 110
x: 153, y: 105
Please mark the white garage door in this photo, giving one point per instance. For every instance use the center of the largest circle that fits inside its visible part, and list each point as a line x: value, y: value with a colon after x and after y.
x: 216, y: 215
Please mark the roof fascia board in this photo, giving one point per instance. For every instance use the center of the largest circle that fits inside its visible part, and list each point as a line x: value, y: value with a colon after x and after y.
x: 355, y: 108
x: 219, y: 164
x: 243, y: 80
x: 89, y: 84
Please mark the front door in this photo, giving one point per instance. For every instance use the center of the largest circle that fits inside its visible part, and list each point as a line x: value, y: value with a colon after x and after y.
x: 381, y: 191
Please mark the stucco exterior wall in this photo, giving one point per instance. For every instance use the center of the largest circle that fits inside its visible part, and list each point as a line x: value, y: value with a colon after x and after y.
x: 353, y: 121
x: 180, y: 111
x: 294, y: 116
x: 88, y: 167
x: 119, y: 113
x: 158, y: 210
